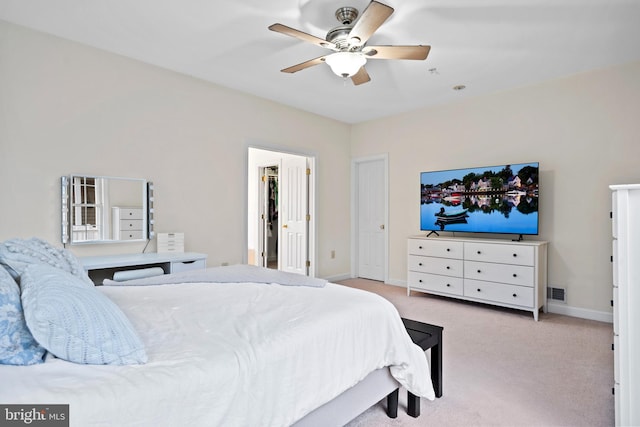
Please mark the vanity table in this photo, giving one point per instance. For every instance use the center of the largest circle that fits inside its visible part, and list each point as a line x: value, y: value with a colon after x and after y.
x: 103, y: 267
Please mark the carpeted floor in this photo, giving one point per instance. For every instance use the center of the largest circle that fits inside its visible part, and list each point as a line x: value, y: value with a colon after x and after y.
x: 501, y: 368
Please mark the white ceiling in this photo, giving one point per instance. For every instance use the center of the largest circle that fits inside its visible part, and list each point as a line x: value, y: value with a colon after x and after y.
x: 487, y: 45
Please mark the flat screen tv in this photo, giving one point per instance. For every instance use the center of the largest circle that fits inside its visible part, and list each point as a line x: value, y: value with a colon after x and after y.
x: 492, y: 199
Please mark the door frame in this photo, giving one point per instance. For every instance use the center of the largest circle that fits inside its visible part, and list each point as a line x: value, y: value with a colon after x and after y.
x: 355, y: 164
x: 312, y: 231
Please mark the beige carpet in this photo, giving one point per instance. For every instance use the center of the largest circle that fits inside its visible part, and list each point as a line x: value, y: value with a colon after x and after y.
x: 501, y: 368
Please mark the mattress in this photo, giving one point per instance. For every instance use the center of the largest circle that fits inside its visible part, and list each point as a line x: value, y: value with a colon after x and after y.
x: 232, y: 354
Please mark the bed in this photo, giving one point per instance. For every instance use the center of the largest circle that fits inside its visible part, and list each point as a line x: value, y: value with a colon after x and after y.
x: 234, y: 352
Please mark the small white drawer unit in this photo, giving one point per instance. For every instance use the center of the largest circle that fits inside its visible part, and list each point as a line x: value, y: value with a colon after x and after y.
x: 127, y: 223
x: 498, y: 272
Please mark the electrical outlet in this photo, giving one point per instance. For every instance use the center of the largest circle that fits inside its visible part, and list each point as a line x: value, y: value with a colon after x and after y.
x: 224, y: 264
x: 333, y: 254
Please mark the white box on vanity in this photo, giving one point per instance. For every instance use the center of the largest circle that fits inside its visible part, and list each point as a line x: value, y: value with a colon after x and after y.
x: 491, y: 271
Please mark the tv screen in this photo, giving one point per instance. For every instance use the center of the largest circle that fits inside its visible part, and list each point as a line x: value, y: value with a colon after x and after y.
x: 491, y: 199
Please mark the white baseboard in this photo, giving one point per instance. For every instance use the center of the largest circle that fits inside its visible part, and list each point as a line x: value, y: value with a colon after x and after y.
x: 338, y: 277
x: 396, y: 282
x: 583, y: 313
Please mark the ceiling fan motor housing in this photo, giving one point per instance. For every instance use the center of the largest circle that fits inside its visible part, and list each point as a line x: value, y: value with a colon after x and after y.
x: 346, y: 15
x: 340, y: 34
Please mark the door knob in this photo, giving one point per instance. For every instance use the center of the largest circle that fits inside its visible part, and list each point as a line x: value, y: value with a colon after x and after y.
x: 382, y: 227
x: 285, y: 226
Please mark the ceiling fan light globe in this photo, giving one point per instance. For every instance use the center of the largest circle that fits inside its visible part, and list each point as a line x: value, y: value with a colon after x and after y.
x: 346, y: 64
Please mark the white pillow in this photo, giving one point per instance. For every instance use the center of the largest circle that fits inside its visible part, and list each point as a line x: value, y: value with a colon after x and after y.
x: 76, y: 322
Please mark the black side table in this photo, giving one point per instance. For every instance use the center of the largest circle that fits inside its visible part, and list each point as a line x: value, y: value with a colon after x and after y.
x: 427, y: 337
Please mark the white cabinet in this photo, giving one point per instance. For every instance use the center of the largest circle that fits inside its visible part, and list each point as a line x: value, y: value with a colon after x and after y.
x: 625, y: 215
x: 498, y: 272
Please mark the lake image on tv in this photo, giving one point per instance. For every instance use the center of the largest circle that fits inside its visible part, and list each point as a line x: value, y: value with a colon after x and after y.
x: 499, y: 199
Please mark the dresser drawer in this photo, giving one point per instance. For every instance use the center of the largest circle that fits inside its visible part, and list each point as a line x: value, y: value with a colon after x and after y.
x: 437, y: 248
x: 178, y: 266
x: 614, y: 214
x: 435, y: 283
x: 444, y: 266
x: 130, y: 213
x: 131, y: 235
x: 504, y: 254
x: 616, y: 319
x: 504, y: 273
x: 498, y: 292
x: 130, y: 224
x: 614, y: 258
x: 616, y: 359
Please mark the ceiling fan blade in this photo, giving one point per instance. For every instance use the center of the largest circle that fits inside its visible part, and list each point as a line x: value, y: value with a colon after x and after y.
x: 305, y: 64
x: 396, y: 52
x: 283, y: 29
x: 370, y: 20
x: 360, y: 77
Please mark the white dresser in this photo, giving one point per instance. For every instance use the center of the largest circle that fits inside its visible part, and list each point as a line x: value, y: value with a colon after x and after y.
x: 625, y: 216
x: 498, y: 272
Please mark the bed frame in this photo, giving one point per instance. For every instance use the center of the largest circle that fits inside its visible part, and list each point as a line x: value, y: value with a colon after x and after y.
x: 354, y: 401
x: 380, y: 383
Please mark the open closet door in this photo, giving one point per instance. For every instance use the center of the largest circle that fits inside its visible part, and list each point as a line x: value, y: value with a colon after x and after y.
x: 294, y: 215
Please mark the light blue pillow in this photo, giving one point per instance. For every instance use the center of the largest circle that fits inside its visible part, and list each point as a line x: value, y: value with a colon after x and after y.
x: 17, y: 346
x: 76, y: 322
x: 17, y: 254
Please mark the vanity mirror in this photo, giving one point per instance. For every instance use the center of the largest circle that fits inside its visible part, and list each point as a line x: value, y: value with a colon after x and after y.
x: 105, y: 209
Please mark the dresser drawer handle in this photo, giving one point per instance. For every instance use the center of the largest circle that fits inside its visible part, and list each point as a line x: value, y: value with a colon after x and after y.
x: 419, y: 280
x: 515, y: 255
x: 448, y: 250
x: 448, y: 285
x: 514, y: 295
x: 479, y: 271
x: 515, y: 275
x: 419, y: 247
x: 479, y: 252
x: 420, y: 264
x: 448, y: 268
x: 478, y: 289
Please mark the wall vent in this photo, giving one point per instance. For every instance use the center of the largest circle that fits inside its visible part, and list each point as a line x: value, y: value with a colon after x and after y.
x: 557, y: 294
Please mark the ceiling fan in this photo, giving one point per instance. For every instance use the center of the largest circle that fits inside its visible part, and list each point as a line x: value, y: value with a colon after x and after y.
x: 348, y: 43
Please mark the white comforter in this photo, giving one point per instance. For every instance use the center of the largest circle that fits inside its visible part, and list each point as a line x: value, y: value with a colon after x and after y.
x: 235, y: 354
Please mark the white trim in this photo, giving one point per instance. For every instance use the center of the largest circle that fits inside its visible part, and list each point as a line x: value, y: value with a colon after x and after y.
x: 354, y: 210
x: 584, y: 313
x: 338, y: 277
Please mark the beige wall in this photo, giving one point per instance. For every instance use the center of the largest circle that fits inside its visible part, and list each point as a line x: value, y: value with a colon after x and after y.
x: 583, y: 130
x: 66, y: 108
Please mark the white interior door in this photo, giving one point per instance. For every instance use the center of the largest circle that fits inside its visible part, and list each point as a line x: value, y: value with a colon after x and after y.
x: 371, y: 218
x: 294, y: 219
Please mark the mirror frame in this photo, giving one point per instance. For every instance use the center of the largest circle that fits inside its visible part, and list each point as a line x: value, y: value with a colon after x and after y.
x: 69, y: 208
